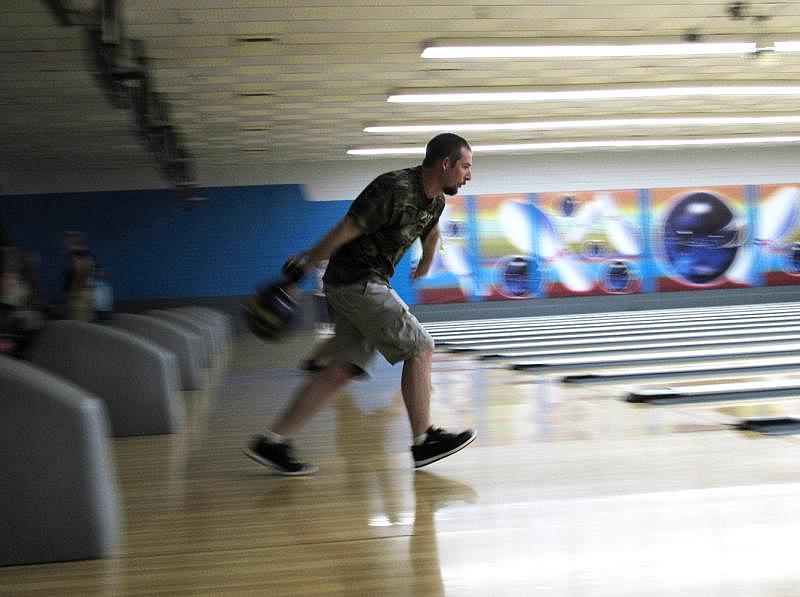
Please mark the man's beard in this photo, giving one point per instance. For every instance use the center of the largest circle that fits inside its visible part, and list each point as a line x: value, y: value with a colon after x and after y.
x: 450, y: 190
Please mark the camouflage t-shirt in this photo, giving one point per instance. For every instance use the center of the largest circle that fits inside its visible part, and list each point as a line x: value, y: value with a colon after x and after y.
x: 392, y: 212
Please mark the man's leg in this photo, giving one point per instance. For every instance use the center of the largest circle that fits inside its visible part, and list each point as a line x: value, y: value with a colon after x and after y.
x: 377, y: 316
x: 274, y: 449
x: 415, y: 385
x: 308, y: 399
x: 396, y: 333
x: 430, y: 444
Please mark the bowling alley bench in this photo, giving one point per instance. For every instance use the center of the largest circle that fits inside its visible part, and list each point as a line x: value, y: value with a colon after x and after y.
x: 84, y: 383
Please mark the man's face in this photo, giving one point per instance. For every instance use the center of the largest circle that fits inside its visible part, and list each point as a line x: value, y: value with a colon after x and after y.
x: 457, y: 174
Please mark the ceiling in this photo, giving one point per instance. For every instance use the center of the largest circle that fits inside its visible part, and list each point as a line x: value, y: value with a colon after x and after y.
x: 254, y: 82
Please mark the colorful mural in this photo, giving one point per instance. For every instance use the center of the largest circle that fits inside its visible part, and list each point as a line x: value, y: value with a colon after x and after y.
x: 558, y: 244
x: 777, y: 238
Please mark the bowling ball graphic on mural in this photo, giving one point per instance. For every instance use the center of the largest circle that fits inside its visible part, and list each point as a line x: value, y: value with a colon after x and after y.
x: 568, y: 204
x: 594, y: 249
x: 619, y: 276
x: 517, y: 276
x: 793, y: 259
x: 701, y: 237
x: 454, y: 229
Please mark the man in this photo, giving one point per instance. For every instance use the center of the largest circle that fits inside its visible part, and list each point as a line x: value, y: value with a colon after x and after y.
x: 363, y: 249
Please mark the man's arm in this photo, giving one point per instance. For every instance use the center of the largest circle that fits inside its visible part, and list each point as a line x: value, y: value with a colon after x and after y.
x: 345, y: 231
x: 429, y: 247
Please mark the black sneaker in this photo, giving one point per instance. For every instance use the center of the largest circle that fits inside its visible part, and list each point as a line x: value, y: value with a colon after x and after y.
x: 277, y: 456
x: 440, y: 444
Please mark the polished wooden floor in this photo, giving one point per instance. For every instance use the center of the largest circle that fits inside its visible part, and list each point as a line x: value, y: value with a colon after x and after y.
x: 567, y: 491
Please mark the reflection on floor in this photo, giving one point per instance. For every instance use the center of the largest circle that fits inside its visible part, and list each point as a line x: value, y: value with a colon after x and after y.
x: 568, y: 491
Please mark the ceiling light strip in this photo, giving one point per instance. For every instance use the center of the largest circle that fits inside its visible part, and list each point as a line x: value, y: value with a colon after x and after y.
x: 582, y: 124
x: 787, y: 46
x: 588, y: 50
x: 594, y: 94
x: 607, y: 144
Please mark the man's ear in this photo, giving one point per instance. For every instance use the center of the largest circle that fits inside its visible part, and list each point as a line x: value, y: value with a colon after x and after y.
x: 445, y: 163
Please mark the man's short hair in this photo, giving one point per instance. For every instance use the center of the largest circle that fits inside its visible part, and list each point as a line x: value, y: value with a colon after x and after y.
x: 443, y: 146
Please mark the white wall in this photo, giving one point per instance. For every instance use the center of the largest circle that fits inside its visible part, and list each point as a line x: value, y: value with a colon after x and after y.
x: 575, y: 172
x: 492, y: 173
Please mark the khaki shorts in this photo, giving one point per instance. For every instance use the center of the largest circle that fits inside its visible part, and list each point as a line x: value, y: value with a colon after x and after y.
x: 370, y: 316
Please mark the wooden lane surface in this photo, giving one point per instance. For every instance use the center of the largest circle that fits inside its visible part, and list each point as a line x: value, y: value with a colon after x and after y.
x: 566, y: 491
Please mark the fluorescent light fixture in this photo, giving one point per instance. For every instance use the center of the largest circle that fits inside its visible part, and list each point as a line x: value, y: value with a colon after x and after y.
x: 600, y: 144
x: 787, y: 46
x: 593, y: 94
x: 388, y: 151
x: 456, y: 52
x: 552, y: 125
x: 634, y: 143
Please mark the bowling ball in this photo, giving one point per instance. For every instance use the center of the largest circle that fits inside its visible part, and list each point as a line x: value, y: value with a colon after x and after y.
x: 515, y: 276
x: 519, y: 276
x: 454, y: 229
x: 618, y: 277
x: 568, y: 205
x: 271, y: 311
x: 701, y: 237
x: 793, y: 259
x: 594, y: 248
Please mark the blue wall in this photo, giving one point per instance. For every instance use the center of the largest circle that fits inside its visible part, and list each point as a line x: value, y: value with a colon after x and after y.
x: 156, y: 246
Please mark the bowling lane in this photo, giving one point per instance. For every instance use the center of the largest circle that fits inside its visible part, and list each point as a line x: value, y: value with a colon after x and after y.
x: 777, y: 340
x: 716, y: 359
x: 768, y: 403
x: 777, y: 331
x: 597, y: 410
x: 616, y: 329
x: 555, y: 365
x: 728, y: 368
x: 770, y: 387
x: 551, y: 321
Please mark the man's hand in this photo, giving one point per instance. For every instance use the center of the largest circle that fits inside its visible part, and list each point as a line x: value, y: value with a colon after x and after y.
x: 301, y: 261
x: 417, y: 273
x: 430, y: 244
